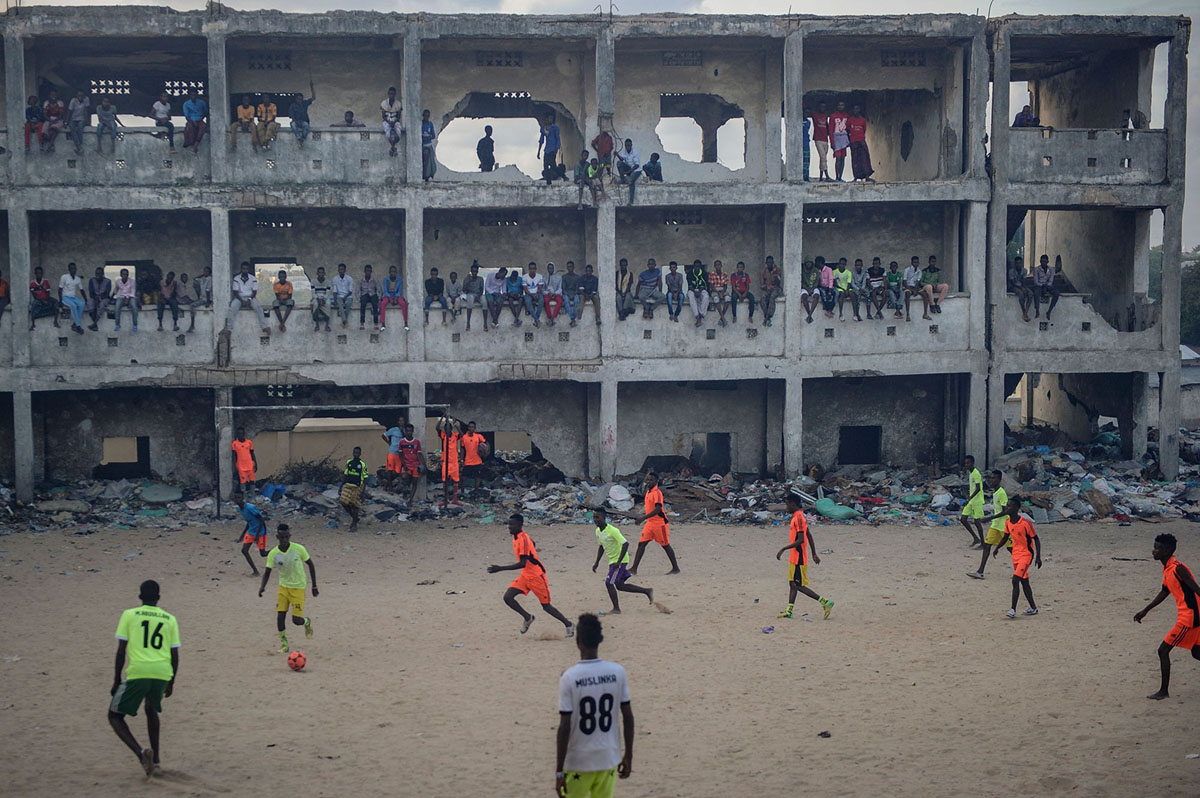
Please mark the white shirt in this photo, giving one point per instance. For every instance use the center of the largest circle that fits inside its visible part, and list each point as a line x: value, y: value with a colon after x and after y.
x: 343, y: 285
x: 592, y: 691
x: 391, y: 110
x: 70, y: 286
x: 493, y: 284
x: 554, y: 284
x: 912, y: 275
x: 533, y: 283
x: 245, y: 289
x: 162, y: 110
x: 631, y: 158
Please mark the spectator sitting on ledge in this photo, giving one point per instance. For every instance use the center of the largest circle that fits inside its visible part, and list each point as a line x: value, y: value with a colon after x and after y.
x: 933, y: 287
x: 435, y: 291
x: 589, y: 288
x: 243, y: 124
x: 348, y: 120
x: 652, y: 169
x: 1043, y: 285
x: 284, y: 304
x: 41, y: 303
x: 390, y: 109
x: 1015, y: 277
x: 1026, y: 119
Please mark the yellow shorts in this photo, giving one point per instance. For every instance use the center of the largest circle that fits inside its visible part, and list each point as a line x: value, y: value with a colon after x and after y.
x: 973, y: 510
x: 593, y: 784
x: 994, y: 536
x: 802, y: 570
x: 293, y: 596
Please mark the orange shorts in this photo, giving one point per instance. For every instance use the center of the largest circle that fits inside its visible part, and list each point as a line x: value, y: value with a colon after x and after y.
x: 245, y: 475
x: 261, y: 540
x: 1021, y: 565
x: 451, y: 473
x: 1183, y: 636
x: 537, y: 585
x: 657, y: 531
x: 393, y: 463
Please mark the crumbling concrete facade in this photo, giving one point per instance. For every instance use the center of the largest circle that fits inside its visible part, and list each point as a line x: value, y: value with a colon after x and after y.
x: 602, y: 397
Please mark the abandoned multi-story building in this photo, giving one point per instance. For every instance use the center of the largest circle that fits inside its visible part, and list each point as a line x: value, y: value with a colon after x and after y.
x: 598, y: 399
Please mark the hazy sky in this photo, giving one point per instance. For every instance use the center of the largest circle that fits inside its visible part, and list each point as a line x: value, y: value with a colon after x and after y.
x: 1191, y: 223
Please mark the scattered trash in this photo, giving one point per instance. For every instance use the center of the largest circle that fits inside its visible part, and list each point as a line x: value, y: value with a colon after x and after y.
x: 768, y: 630
x: 824, y: 734
x: 157, y: 493
x: 427, y: 582
x: 455, y: 592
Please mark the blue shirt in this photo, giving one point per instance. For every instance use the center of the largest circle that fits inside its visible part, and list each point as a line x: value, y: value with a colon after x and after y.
x: 254, y: 520
x: 391, y: 289
x: 394, y: 435
x: 34, y: 114
x: 807, y: 128
x: 552, y: 138
x: 298, y: 110
x: 428, y: 134
x: 195, y: 110
x: 513, y: 286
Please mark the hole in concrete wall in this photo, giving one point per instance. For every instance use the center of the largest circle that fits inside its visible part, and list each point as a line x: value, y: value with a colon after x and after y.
x: 316, y: 162
x: 528, y: 337
x: 1126, y: 163
x: 1043, y: 326
x: 647, y: 335
x: 751, y: 332
x: 455, y: 337
x: 267, y: 270
x: 906, y: 140
x: 690, y: 119
x: 180, y: 340
x: 516, y: 118
x: 564, y: 337
x: 168, y: 163
x: 1047, y: 160
x: 1091, y: 134
x: 712, y: 452
x: 1091, y: 162
x: 1047, y: 132
x: 341, y: 339
x: 112, y: 343
x: 124, y: 458
x: 62, y: 341
x: 859, y: 445
x: 364, y: 163
x: 828, y: 332
x: 933, y: 329
x: 1086, y: 326
x: 710, y: 335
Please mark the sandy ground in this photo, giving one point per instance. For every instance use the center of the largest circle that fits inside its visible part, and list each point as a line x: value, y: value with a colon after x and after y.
x: 923, y: 686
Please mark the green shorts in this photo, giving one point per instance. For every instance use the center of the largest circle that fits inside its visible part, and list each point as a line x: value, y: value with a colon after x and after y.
x: 130, y: 694
x: 973, y: 510
x: 592, y: 784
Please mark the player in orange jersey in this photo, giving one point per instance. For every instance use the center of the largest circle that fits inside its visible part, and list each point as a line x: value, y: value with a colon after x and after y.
x: 531, y: 579
x: 244, y: 461
x: 1020, y: 531
x: 1178, y: 582
x: 654, y: 526
x: 798, y: 559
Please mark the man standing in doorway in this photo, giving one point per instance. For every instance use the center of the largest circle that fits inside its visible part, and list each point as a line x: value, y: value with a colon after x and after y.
x: 549, y: 143
x: 820, y: 127
x: 244, y: 463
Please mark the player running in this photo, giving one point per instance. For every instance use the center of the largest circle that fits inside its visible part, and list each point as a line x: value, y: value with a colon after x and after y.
x: 614, y: 544
x: 1178, y: 582
x: 798, y: 559
x: 289, y: 558
x: 244, y: 461
x: 1020, y: 531
x: 532, y: 577
x: 654, y: 526
x: 150, y: 638
x: 972, y: 511
x: 996, y: 522
x: 255, y: 531
x: 589, y: 742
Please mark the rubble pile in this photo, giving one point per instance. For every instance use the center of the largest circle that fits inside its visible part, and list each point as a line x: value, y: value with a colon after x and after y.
x: 1085, y: 482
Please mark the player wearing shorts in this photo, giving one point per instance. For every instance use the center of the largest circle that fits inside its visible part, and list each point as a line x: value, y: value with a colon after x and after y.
x: 1178, y: 582
x: 614, y: 544
x: 289, y: 559
x: 531, y: 579
x: 149, y: 637
x: 354, y: 484
x: 589, y: 758
x: 410, y: 461
x: 798, y: 559
x: 972, y: 511
x: 654, y: 526
x: 996, y: 521
x: 1020, y: 531
x: 392, y: 437
x: 472, y: 462
x: 255, y: 532
x: 244, y: 461
x: 449, y: 432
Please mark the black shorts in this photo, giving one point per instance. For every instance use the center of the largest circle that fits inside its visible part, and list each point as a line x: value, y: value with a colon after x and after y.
x: 472, y: 471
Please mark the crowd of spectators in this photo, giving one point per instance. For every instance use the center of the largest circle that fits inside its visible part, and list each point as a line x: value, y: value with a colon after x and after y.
x: 1043, y: 286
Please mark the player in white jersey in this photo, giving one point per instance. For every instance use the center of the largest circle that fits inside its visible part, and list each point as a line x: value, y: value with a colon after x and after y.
x: 589, y: 742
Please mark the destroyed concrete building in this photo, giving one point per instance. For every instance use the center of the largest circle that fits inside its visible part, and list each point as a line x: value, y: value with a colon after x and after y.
x: 598, y: 399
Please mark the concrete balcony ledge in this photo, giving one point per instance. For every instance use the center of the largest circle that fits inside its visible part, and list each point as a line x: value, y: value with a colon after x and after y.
x: 301, y: 344
x: 59, y: 347
x: 330, y: 155
x: 561, y: 342
x: 942, y: 332
x: 1098, y: 156
x: 662, y: 338
x: 141, y: 158
x: 1075, y: 326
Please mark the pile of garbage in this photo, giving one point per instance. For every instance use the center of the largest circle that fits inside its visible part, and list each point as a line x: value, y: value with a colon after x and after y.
x: 1081, y: 482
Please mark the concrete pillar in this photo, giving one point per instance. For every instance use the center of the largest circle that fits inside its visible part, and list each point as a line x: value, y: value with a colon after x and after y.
x: 608, y: 429
x: 412, y: 107
x: 20, y: 272
x: 23, y: 448
x: 14, y: 92
x: 975, y: 272
x: 793, y: 311
x: 1001, y: 72
x: 222, y: 268
x: 414, y: 277
x: 1133, y: 423
x: 772, y: 105
x: 223, y: 418
x: 592, y: 390
x: 793, y: 105
x: 1171, y: 249
x: 1141, y: 252
x: 774, y: 426
x: 218, y: 112
x: 1168, y: 423
x: 977, y: 98
x: 995, y: 415
x: 975, y: 424
x: 793, y: 427
x: 606, y: 270
x: 1176, y: 118
x: 416, y: 416
x: 606, y: 75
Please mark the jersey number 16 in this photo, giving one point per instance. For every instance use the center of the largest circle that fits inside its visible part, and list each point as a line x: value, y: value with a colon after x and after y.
x: 588, y: 717
x: 154, y: 640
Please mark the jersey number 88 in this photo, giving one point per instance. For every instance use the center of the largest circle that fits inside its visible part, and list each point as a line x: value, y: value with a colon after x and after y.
x: 588, y: 717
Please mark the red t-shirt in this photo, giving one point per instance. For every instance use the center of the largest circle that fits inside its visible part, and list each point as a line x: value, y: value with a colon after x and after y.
x: 410, y: 453
x: 837, y: 123
x: 40, y: 290
x: 740, y: 282
x: 856, y: 126
x: 820, y: 127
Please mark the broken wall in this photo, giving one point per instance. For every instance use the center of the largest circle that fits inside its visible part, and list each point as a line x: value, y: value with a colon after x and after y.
x: 70, y: 428
x: 661, y: 418
x: 335, y: 65
x: 1075, y: 402
x: 918, y: 415
x: 178, y: 241
x: 258, y: 421
x: 555, y: 414
x: 1095, y: 95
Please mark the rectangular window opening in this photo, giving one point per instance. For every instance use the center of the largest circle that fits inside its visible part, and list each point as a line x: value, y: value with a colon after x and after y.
x: 712, y: 452
x: 859, y: 445
x: 124, y: 458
